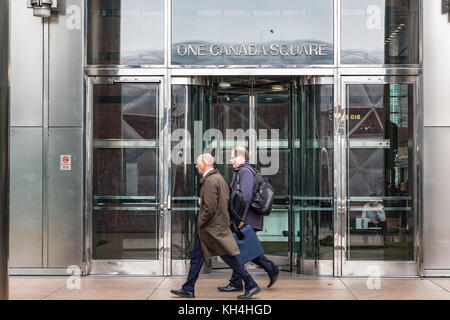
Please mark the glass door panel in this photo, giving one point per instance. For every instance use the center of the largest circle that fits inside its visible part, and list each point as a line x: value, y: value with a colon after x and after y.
x: 380, y: 217
x: 219, y: 105
x: 230, y: 116
x: 272, y: 98
x: 190, y: 106
x: 125, y: 166
x: 313, y: 175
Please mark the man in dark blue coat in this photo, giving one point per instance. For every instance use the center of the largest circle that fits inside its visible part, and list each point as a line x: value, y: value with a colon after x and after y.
x: 242, y: 167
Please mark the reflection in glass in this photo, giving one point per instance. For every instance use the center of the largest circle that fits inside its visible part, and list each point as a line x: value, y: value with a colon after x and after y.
x: 273, y: 106
x: 313, y: 174
x: 380, y: 31
x: 252, y: 32
x: 125, y: 235
x: 185, y: 102
x: 380, y: 166
x: 125, y: 171
x: 230, y: 110
x: 125, y: 32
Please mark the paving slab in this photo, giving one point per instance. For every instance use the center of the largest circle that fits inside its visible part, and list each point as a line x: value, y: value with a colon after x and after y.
x: 100, y: 294
x: 286, y: 288
x: 394, y: 284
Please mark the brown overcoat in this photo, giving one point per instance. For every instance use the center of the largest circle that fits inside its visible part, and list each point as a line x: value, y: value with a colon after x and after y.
x: 213, y: 220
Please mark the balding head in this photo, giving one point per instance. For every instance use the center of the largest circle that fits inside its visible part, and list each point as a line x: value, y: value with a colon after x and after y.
x: 207, y: 158
x: 204, y: 162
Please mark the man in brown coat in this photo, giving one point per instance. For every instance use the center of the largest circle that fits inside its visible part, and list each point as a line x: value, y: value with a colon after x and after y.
x: 214, y: 234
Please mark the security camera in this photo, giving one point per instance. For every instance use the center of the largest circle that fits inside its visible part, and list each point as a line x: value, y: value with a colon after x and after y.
x: 42, y: 8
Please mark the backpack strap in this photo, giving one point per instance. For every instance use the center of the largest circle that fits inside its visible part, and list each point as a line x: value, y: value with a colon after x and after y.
x: 252, y: 169
x: 231, y: 209
x: 255, y: 173
x: 234, y: 214
x: 238, y: 185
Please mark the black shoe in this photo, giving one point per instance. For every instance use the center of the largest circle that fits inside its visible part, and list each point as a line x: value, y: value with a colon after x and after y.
x: 250, y: 293
x: 273, y: 278
x: 229, y: 288
x: 182, y: 293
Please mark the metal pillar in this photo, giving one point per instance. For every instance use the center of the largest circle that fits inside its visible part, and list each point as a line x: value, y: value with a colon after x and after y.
x: 4, y: 147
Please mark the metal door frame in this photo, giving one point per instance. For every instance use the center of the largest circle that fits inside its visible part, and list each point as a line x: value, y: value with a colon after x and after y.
x: 127, y: 267
x: 343, y: 267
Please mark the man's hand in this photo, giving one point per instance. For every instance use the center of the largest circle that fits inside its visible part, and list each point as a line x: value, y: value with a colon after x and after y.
x: 199, y: 202
x: 375, y: 222
x: 241, y: 224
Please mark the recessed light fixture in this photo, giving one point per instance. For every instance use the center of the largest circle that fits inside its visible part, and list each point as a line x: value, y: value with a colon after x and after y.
x: 224, y: 84
x: 277, y: 88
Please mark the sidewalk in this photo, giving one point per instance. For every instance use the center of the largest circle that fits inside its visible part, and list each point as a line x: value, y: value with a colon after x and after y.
x: 288, y: 287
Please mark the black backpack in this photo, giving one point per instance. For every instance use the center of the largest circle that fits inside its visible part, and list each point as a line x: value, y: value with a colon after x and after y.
x: 262, y: 196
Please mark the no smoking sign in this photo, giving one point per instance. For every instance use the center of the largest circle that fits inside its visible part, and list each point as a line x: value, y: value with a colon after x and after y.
x: 65, y: 162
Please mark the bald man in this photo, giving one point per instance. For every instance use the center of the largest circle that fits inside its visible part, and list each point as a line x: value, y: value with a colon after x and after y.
x: 214, y: 234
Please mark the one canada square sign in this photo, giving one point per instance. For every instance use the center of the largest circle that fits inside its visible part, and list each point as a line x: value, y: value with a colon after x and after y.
x: 311, y: 52
x: 273, y: 49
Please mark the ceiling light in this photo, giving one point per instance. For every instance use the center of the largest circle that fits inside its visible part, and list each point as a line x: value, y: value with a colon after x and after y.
x: 277, y: 88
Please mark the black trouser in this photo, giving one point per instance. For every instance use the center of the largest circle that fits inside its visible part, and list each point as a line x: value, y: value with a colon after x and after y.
x: 260, y: 261
x: 197, y: 259
x: 263, y: 262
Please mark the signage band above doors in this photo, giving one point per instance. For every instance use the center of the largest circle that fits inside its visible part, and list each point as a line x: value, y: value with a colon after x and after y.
x: 252, y: 50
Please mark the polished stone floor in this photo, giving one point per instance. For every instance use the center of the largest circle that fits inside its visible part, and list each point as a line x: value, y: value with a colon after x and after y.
x: 288, y: 287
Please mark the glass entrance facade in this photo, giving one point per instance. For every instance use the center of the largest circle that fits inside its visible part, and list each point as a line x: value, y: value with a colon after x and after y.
x: 286, y: 123
x: 330, y: 115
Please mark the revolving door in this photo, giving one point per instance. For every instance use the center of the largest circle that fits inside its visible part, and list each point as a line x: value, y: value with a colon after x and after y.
x: 286, y: 123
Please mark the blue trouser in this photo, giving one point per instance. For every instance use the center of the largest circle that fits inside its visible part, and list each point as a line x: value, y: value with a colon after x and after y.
x: 263, y: 262
x: 197, y: 260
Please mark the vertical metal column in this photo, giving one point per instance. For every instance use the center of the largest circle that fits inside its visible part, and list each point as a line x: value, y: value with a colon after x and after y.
x: 252, y: 139
x: 4, y: 148
x: 339, y: 175
x: 339, y: 147
x: 45, y: 139
x: 165, y: 135
x: 167, y: 144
